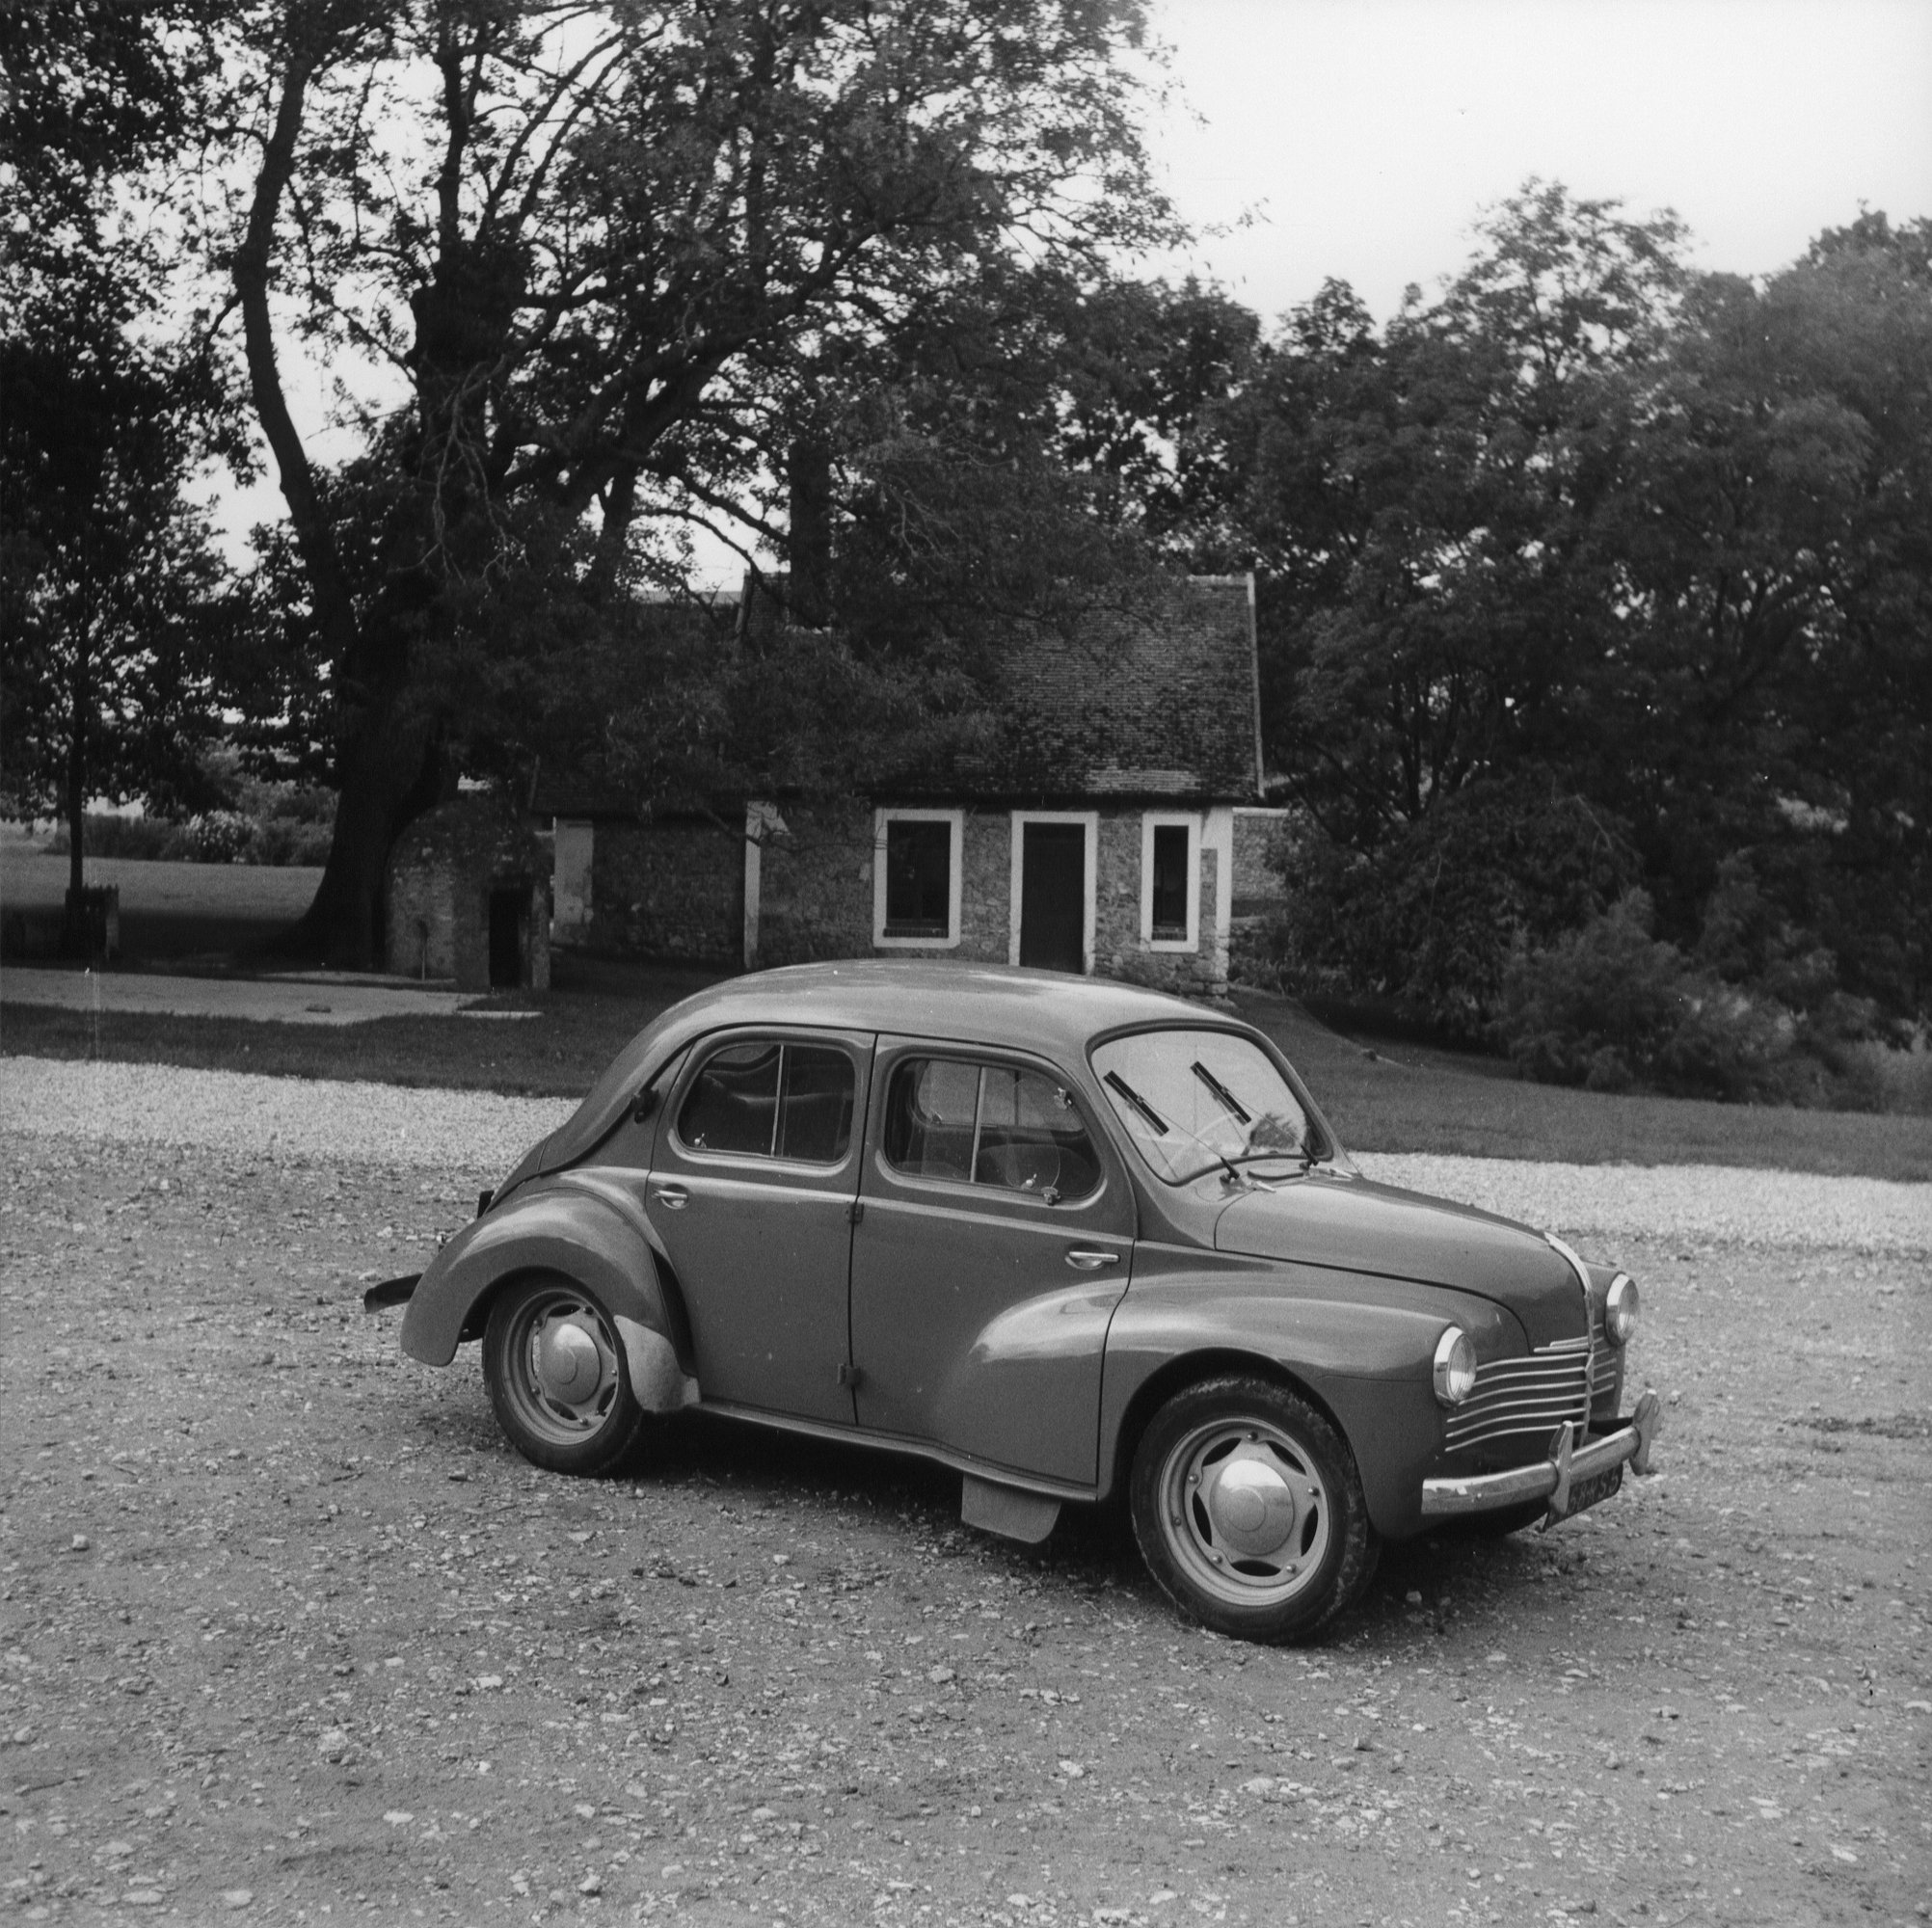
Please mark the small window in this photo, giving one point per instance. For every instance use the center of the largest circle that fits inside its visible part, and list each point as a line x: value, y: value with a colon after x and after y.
x: 1170, y: 881
x: 1015, y: 1130
x: 765, y: 1100
x: 919, y: 878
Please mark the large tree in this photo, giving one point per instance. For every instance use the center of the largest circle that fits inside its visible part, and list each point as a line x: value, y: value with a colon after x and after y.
x: 597, y: 252
x: 115, y: 602
x: 113, y: 599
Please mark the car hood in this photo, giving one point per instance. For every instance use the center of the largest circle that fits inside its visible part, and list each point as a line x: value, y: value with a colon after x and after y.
x: 1355, y: 1225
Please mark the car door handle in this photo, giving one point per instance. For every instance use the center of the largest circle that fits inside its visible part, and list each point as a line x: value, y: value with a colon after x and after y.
x: 672, y: 1197
x: 1088, y: 1258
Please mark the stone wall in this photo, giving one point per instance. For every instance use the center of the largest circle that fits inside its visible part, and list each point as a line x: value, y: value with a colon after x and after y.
x: 442, y: 873
x: 671, y: 891
x: 814, y: 884
x: 816, y: 898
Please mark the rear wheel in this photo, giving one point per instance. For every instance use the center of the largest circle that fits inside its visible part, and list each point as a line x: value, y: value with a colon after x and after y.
x: 1248, y: 1509
x: 557, y: 1378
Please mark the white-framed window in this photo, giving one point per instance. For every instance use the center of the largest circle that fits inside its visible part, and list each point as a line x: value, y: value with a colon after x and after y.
x: 916, y: 879
x: 1170, y: 881
x: 1053, y: 897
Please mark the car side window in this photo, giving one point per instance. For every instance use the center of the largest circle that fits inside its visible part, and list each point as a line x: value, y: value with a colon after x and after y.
x: 766, y: 1099
x: 991, y: 1125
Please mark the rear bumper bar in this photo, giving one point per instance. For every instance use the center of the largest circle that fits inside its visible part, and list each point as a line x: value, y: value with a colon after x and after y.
x: 1569, y: 1465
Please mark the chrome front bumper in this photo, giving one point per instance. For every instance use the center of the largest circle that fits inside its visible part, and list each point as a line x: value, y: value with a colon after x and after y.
x: 1570, y: 1465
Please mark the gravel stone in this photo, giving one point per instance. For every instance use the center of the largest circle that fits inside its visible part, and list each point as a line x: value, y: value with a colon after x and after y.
x: 440, y: 1130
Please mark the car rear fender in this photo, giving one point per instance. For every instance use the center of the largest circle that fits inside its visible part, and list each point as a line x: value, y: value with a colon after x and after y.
x: 589, y: 1229
x: 1359, y: 1349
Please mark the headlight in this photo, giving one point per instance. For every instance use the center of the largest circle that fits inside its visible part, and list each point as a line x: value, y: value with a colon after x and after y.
x: 1620, y: 1310
x: 1454, y: 1367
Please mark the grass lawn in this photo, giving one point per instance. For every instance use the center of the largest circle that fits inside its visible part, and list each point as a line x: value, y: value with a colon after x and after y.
x: 1406, y: 1099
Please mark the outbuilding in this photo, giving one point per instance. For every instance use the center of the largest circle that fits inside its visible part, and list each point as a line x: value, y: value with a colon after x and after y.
x: 468, y: 898
x: 1101, y: 826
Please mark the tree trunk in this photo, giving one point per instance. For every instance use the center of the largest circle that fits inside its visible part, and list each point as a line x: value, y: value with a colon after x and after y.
x: 74, y: 930
x: 390, y: 769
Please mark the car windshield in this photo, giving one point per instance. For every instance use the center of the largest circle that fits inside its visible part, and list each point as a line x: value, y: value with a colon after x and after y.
x: 1192, y: 1100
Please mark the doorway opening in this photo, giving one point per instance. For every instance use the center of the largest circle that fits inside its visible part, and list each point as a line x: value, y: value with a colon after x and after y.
x: 1053, y: 896
x: 509, y: 918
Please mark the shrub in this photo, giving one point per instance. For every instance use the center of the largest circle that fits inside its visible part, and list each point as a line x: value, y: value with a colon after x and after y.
x: 106, y: 833
x: 1429, y: 921
x: 219, y: 837
x: 1611, y: 1007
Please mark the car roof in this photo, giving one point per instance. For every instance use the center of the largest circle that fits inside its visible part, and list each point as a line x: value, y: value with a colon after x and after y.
x: 1048, y: 1012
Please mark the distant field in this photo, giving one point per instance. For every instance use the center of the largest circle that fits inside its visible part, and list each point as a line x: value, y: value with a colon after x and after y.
x: 1430, y: 1102
x: 166, y: 910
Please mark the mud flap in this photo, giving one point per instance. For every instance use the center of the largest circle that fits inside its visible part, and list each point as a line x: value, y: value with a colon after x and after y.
x: 1008, y: 1512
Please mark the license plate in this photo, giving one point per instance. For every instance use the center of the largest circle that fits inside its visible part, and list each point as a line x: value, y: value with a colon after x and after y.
x: 1587, y: 1493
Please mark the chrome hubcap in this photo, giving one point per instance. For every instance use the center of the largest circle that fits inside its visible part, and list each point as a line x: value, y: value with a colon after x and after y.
x: 562, y: 1366
x: 568, y: 1365
x: 1246, y: 1512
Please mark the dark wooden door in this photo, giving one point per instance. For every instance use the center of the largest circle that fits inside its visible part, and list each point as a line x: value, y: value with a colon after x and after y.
x: 507, y: 913
x: 1053, y: 897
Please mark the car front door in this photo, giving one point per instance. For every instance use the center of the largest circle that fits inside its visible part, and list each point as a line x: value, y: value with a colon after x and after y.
x: 994, y: 1239
x: 751, y: 1190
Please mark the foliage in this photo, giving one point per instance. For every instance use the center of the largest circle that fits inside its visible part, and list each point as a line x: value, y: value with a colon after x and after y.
x: 1591, y: 527
x: 117, y: 603
x: 1610, y: 1006
x: 601, y: 257
x: 1429, y: 921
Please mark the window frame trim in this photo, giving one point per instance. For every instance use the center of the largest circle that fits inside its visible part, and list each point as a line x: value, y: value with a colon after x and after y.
x: 1190, y: 821
x: 983, y: 1058
x: 956, y: 819
x: 700, y: 1053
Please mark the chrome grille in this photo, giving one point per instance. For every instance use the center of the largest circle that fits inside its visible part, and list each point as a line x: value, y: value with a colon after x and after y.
x: 1536, y: 1394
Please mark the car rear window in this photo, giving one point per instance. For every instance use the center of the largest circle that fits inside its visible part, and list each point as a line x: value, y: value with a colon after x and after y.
x: 1192, y: 1100
x: 770, y: 1099
x: 988, y: 1124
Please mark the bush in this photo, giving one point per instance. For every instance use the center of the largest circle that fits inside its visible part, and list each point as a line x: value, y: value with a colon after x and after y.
x: 1611, y: 1007
x: 272, y: 823
x: 1428, y: 922
x: 106, y: 834
x: 219, y: 837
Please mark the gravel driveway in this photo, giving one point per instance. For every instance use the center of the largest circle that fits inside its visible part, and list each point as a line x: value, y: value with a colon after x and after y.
x: 225, y: 1110
x: 285, y: 1627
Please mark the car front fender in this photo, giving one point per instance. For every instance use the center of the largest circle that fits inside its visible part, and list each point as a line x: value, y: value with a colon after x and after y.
x: 1361, y: 1347
x: 589, y: 1232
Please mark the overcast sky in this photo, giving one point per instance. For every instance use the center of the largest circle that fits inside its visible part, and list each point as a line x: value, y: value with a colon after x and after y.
x: 1366, y: 134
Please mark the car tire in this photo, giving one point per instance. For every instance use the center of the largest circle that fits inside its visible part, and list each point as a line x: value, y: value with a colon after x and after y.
x: 557, y: 1377
x: 1248, y: 1509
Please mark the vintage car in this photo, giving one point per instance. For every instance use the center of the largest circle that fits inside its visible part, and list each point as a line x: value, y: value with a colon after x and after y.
x: 1067, y: 1236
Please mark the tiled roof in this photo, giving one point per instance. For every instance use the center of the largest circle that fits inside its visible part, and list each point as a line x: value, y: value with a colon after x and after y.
x: 1156, y: 699
x: 1159, y: 699
x: 1153, y: 698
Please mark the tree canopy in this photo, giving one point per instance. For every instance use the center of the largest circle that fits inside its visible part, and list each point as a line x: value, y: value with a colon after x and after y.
x: 594, y: 260
x: 1594, y: 573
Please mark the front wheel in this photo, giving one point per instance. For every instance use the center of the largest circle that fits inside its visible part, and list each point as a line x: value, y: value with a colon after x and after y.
x: 557, y: 1378
x: 1248, y: 1509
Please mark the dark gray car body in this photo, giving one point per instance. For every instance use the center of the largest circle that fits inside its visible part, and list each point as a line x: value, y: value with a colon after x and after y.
x: 1021, y: 1340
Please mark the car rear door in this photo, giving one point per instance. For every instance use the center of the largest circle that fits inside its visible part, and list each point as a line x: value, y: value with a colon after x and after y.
x: 994, y: 1240
x: 751, y: 1189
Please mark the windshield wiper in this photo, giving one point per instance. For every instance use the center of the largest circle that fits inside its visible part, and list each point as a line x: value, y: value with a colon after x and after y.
x: 1224, y: 1097
x: 1160, y: 1125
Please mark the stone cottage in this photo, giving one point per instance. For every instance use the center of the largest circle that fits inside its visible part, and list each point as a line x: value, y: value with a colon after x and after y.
x: 1101, y: 826
x: 468, y: 898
